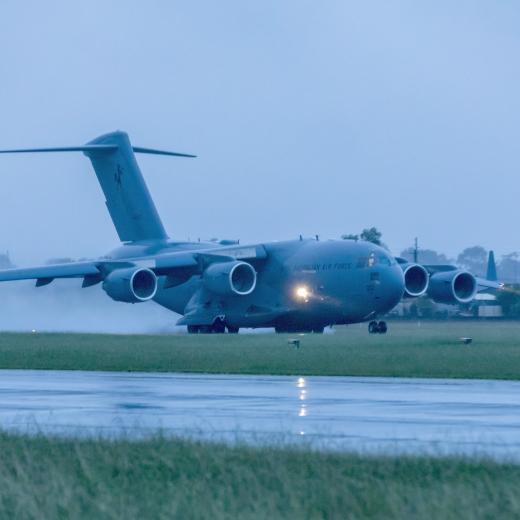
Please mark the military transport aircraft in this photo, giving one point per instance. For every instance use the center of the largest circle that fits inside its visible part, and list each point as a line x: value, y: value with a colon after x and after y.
x: 298, y: 285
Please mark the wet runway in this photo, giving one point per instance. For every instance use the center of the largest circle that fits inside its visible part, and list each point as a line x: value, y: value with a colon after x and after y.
x: 339, y: 413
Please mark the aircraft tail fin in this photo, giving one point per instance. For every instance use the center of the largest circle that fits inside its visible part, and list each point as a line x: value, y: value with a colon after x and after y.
x: 128, y: 200
x: 491, y: 273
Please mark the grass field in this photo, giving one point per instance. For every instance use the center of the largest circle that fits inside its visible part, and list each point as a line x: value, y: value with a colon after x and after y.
x: 52, y: 477
x: 410, y: 349
x: 58, y: 478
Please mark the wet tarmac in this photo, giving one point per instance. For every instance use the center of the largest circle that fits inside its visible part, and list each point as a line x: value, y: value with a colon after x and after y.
x: 339, y: 413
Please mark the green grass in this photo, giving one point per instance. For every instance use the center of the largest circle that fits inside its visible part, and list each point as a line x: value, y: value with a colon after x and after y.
x: 431, y: 349
x: 45, y: 477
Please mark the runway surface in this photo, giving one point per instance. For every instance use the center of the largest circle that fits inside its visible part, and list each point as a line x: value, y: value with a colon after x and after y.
x: 339, y: 413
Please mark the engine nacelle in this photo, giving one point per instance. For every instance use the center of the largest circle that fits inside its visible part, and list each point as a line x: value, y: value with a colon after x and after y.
x: 132, y: 285
x: 415, y: 280
x: 230, y: 278
x: 452, y: 287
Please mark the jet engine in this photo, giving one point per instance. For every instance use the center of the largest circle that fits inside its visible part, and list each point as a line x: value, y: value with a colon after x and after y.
x: 415, y: 280
x: 230, y: 278
x: 132, y: 285
x: 452, y: 287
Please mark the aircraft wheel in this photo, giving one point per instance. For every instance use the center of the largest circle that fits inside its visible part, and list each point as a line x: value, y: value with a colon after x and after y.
x: 373, y: 327
x: 219, y: 327
x: 232, y: 330
x: 193, y: 329
x: 205, y: 329
x: 382, y: 327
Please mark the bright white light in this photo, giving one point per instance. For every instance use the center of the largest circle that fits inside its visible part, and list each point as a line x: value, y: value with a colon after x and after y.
x: 301, y: 382
x: 303, y: 293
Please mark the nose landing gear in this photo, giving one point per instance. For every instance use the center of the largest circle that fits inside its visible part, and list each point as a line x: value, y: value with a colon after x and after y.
x: 375, y: 327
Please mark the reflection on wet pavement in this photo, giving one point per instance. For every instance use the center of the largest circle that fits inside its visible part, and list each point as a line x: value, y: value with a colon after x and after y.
x: 339, y: 413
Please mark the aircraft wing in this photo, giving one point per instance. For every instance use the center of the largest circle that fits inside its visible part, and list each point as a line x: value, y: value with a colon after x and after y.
x: 45, y: 274
x: 483, y: 284
x: 72, y: 270
x: 177, y: 266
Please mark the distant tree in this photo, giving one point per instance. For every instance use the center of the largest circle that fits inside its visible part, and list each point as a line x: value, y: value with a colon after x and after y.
x: 473, y: 259
x: 509, y: 268
x: 509, y: 299
x: 371, y: 235
x: 426, y: 256
x: 368, y: 235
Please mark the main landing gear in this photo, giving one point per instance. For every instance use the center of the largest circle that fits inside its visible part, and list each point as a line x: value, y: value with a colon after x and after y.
x: 218, y: 327
x: 375, y: 327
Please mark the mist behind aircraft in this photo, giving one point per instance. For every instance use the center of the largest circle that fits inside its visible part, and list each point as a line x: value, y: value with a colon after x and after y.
x: 65, y: 307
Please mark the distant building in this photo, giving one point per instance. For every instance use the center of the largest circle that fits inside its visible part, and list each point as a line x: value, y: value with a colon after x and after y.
x: 486, y: 306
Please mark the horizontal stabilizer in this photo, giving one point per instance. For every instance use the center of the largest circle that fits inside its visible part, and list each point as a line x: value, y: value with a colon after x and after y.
x: 84, y: 148
x: 139, y: 149
x: 90, y: 148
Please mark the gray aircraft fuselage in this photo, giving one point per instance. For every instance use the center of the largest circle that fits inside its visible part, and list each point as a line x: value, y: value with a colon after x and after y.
x: 301, y: 284
x: 295, y: 285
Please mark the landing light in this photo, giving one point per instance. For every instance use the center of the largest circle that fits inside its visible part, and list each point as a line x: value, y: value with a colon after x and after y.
x: 302, y: 293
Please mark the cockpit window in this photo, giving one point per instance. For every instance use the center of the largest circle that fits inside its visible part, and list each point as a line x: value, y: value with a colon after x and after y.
x: 372, y: 260
x: 367, y: 261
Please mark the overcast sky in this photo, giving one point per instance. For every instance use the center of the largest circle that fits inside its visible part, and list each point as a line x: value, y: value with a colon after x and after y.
x: 307, y: 117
